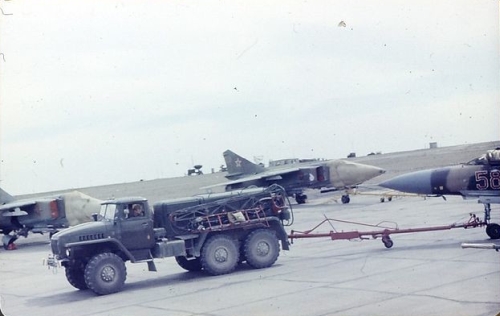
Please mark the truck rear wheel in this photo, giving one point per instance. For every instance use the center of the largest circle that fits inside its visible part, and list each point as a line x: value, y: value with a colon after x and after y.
x: 105, y: 273
x: 261, y: 248
x: 189, y: 264
x: 75, y: 277
x: 219, y: 255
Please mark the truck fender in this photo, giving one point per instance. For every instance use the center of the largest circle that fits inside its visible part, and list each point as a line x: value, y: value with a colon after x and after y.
x: 275, y: 224
x: 199, y: 244
x: 112, y: 241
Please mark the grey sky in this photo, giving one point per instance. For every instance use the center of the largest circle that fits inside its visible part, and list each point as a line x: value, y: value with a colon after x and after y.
x: 99, y: 92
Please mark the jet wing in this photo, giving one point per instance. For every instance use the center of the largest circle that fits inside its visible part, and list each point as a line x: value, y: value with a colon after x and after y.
x: 17, y: 204
x: 22, y: 203
x: 485, y: 196
x: 478, y: 193
x: 267, y: 175
x: 275, y: 174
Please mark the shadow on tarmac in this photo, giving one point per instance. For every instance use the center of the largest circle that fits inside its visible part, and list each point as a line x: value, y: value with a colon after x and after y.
x: 74, y: 295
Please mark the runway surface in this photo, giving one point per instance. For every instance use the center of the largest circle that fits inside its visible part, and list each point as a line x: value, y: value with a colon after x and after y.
x: 423, y: 274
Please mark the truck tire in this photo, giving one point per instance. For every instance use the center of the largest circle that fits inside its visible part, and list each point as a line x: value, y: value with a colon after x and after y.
x: 261, y: 248
x: 219, y: 255
x: 75, y: 277
x: 189, y: 264
x: 105, y: 273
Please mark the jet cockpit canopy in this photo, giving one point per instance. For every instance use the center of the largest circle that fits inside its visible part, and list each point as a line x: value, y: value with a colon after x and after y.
x: 491, y: 157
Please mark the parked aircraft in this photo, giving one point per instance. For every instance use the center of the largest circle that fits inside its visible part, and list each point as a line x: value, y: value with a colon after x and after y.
x: 43, y: 215
x: 295, y: 175
x: 478, y: 179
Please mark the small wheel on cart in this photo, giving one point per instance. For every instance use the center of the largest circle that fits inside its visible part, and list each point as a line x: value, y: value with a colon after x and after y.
x: 388, y: 243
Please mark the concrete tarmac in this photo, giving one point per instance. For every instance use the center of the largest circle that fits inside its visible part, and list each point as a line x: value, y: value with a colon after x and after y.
x: 422, y: 274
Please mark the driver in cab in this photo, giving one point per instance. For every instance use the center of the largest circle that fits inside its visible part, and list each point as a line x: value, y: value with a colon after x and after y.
x: 137, y: 211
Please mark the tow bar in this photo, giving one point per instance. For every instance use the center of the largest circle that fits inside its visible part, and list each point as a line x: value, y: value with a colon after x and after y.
x: 385, y: 233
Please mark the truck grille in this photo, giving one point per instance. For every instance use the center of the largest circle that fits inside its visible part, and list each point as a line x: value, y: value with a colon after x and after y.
x: 54, y: 246
x: 90, y: 237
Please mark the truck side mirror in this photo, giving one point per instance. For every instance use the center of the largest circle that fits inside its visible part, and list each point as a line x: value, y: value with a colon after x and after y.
x: 94, y: 216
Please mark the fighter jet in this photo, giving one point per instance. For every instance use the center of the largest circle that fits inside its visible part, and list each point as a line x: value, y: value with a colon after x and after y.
x: 477, y: 179
x: 43, y: 215
x: 294, y: 176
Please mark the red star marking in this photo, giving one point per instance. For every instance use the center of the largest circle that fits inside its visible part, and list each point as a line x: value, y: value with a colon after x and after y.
x: 238, y: 163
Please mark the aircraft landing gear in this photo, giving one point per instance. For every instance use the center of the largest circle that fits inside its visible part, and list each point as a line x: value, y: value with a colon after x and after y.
x: 8, y: 242
x: 300, y: 198
x: 345, y: 199
x: 492, y: 230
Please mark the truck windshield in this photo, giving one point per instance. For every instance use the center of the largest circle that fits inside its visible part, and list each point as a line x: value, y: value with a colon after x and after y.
x: 107, y: 211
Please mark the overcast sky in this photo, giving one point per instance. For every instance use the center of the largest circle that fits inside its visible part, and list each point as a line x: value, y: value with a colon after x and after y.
x: 102, y: 92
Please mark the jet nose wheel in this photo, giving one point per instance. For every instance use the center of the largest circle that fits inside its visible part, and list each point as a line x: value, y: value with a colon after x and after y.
x: 345, y: 199
x: 300, y: 198
x: 493, y: 231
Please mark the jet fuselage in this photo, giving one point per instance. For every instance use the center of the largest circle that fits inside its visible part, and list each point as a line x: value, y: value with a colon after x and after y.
x: 467, y: 180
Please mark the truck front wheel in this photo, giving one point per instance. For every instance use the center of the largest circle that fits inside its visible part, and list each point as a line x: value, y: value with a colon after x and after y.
x: 220, y: 255
x: 261, y: 248
x: 75, y: 276
x: 189, y: 264
x: 105, y: 273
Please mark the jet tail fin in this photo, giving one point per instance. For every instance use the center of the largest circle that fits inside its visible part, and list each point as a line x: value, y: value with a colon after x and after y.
x: 239, y: 166
x: 5, y: 197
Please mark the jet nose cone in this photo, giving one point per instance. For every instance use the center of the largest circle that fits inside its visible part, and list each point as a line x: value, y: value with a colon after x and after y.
x: 416, y: 182
x: 354, y: 173
x: 367, y: 172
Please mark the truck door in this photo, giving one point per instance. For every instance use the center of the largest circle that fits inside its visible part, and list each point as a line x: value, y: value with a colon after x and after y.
x: 137, y: 231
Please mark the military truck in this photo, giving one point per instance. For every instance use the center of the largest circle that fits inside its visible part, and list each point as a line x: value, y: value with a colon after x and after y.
x: 212, y: 233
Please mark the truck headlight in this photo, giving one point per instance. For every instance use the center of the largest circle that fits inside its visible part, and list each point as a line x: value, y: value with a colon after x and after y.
x: 68, y: 252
